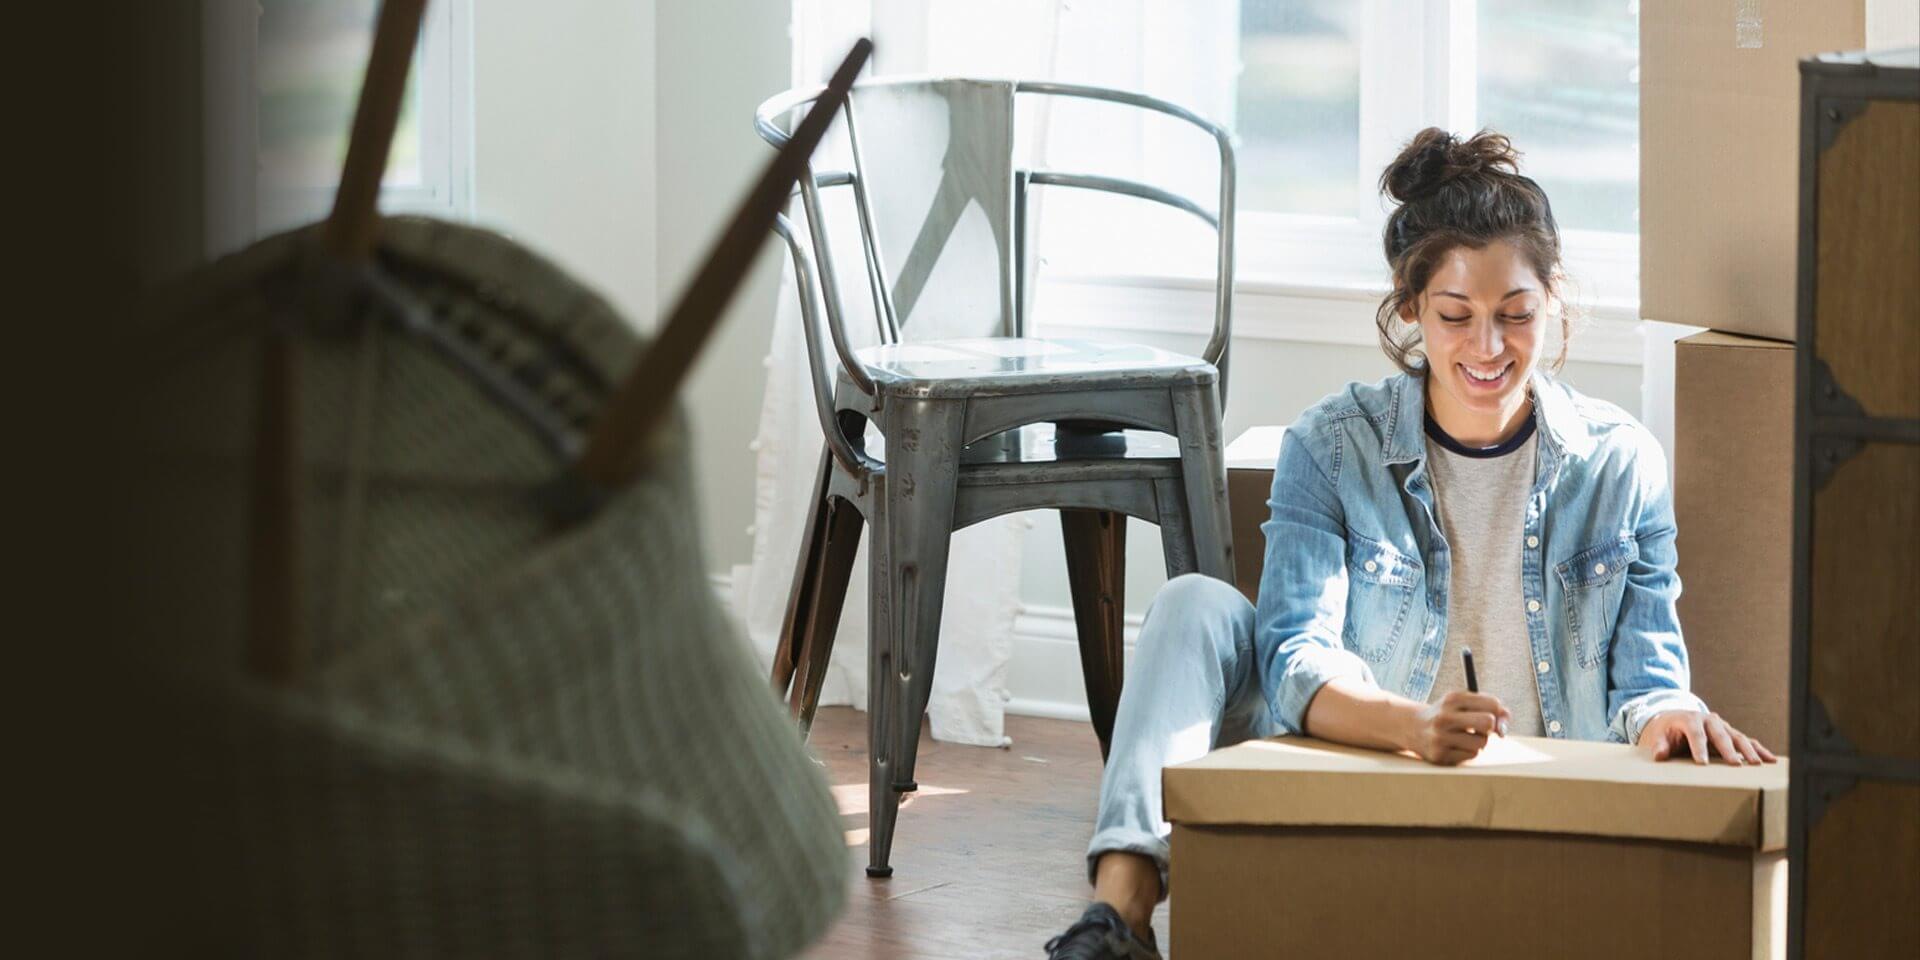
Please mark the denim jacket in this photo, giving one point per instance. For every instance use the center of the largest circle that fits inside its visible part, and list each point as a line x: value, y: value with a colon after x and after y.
x: 1357, y: 568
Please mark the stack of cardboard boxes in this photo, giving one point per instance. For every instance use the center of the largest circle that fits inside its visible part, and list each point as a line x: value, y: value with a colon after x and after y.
x: 1553, y: 820
x: 1719, y: 165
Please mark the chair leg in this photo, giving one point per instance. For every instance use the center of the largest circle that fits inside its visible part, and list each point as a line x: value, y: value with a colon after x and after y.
x: 795, y: 628
x: 1203, y: 468
x: 912, y: 527
x: 842, y: 545
x: 1096, y: 543
x: 883, y: 803
x: 1176, y: 536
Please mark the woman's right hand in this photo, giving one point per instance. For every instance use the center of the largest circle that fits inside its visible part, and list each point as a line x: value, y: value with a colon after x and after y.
x: 1456, y: 728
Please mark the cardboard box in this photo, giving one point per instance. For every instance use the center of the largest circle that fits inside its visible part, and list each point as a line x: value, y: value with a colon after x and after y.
x: 1720, y: 153
x: 1539, y: 848
x: 1733, y: 504
x: 1250, y: 461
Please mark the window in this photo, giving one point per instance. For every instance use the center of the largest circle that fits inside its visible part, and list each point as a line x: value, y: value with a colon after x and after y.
x: 1321, y: 94
x: 1296, y: 105
x: 1561, y: 78
x: 1558, y: 77
x: 308, y: 58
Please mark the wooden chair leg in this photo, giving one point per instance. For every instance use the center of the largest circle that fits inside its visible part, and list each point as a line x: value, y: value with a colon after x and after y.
x: 796, y: 626
x: 1096, y: 543
x: 841, y: 545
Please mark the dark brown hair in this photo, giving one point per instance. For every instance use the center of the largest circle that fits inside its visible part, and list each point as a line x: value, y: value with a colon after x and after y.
x: 1453, y: 193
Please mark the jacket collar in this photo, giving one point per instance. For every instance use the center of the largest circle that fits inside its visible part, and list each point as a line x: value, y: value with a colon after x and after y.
x: 1557, y: 420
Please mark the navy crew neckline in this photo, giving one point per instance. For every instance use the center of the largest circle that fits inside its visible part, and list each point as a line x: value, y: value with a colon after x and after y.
x: 1501, y: 449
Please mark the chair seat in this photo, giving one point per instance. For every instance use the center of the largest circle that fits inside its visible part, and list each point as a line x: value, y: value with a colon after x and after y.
x: 1044, y: 452
x: 988, y: 366
x: 1025, y: 454
x: 1050, y: 443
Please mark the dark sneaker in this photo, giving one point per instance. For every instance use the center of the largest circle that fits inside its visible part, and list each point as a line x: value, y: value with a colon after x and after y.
x: 1100, y: 934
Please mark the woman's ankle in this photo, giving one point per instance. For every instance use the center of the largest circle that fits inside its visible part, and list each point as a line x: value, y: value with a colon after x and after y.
x: 1130, y: 884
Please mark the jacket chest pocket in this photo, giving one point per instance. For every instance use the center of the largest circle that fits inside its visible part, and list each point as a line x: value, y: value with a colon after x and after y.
x: 1382, y: 583
x: 1594, y: 581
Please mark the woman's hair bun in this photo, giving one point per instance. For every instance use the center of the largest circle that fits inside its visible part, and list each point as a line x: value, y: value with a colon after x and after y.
x: 1434, y: 158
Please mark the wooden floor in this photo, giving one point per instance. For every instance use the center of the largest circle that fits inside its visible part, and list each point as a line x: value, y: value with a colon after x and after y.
x: 989, y: 859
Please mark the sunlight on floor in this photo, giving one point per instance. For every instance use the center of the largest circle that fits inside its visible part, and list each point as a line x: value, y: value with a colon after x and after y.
x: 852, y: 797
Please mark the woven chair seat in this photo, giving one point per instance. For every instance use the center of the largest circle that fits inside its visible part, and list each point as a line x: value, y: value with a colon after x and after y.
x: 514, y: 736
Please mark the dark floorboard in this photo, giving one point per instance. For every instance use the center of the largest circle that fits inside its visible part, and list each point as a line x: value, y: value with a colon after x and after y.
x: 989, y: 858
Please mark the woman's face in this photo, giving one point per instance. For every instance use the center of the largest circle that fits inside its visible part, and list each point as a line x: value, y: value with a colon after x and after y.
x: 1481, y: 319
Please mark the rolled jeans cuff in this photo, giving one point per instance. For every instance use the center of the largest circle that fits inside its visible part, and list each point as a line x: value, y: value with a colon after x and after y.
x: 1127, y: 840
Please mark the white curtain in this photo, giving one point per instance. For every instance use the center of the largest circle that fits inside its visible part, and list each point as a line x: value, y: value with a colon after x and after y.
x: 997, y: 38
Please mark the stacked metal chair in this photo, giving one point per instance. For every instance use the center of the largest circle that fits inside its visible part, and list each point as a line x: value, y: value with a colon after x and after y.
x: 980, y: 426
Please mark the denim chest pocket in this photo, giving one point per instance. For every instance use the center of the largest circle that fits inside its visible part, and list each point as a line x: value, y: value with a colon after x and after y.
x: 1381, y: 585
x: 1595, y: 580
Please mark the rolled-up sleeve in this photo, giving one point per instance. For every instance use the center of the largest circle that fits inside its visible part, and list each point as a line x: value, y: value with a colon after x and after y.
x: 1647, y: 666
x: 1303, y: 588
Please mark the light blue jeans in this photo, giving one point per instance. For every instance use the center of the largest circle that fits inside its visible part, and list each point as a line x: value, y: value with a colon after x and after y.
x: 1192, y: 687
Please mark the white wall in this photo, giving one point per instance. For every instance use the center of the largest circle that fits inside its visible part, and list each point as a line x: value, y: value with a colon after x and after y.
x: 565, y: 136
x: 614, y: 136
x: 718, y: 59
x: 1892, y: 23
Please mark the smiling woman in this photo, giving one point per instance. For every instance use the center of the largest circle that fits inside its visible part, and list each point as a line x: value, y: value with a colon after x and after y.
x: 1471, y: 503
x: 1455, y: 194
x: 1475, y: 255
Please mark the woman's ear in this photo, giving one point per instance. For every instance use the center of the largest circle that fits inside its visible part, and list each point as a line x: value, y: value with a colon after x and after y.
x: 1409, y: 310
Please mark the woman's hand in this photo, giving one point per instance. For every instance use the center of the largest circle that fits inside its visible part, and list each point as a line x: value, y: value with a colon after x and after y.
x: 1694, y: 731
x: 1456, y: 729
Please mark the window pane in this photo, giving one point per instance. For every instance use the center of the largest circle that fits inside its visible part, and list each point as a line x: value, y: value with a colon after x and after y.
x: 1297, y: 108
x: 312, y: 56
x: 1561, y: 77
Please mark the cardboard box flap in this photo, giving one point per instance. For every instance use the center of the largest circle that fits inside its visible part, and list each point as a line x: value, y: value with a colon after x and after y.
x: 1715, y: 338
x: 1520, y: 783
x: 1256, y: 449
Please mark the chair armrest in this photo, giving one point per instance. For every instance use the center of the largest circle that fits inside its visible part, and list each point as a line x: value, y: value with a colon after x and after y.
x: 853, y: 460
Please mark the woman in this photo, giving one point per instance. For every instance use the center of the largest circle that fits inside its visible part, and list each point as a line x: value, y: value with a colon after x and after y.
x: 1472, y: 501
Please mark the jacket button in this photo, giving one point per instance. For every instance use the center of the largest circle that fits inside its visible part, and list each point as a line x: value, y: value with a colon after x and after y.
x: 1372, y: 566
x: 1553, y: 726
x: 1533, y: 606
x: 1543, y: 666
x: 1599, y: 568
x: 1533, y: 542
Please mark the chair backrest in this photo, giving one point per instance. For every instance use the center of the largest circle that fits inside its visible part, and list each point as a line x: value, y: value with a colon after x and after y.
x: 942, y: 215
x: 933, y: 164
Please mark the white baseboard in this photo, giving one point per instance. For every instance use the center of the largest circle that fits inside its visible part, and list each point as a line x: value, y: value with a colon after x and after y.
x: 1043, y: 674
x: 1050, y: 710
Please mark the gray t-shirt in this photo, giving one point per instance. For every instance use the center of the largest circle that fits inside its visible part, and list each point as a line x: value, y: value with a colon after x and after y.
x: 1481, y: 502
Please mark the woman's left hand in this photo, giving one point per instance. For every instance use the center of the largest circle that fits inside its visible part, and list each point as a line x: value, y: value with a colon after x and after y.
x: 1694, y: 730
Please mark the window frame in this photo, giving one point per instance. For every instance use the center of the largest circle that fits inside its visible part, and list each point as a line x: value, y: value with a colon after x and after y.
x: 443, y: 65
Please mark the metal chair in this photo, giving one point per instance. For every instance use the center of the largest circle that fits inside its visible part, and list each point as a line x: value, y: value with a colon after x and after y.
x: 976, y: 428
